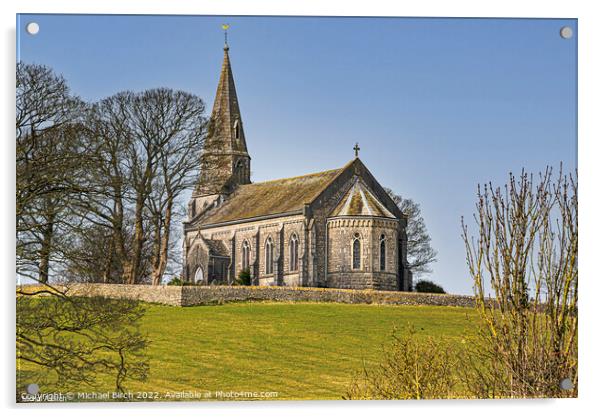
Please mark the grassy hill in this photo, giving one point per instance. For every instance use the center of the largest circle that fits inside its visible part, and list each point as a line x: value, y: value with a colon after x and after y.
x: 300, y: 350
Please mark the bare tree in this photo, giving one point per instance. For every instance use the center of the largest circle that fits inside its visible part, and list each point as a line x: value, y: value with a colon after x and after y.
x: 49, y: 159
x: 177, y: 171
x: 149, y: 147
x: 63, y: 339
x: 75, y: 339
x: 525, y: 252
x: 420, y: 252
x: 43, y: 105
x: 106, y: 205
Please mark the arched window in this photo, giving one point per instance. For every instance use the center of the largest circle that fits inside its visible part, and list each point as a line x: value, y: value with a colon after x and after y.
x: 383, y: 253
x: 236, y: 130
x: 240, y: 170
x: 357, y: 250
x: 246, y: 255
x: 269, y: 256
x: 199, y: 276
x: 294, y: 253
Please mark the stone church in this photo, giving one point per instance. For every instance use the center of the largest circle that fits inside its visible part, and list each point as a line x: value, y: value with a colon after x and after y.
x: 336, y: 228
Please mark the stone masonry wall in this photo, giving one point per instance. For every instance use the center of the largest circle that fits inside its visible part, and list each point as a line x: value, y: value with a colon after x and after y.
x: 341, y: 234
x: 161, y: 294
x: 362, y: 280
x: 256, y: 234
x: 198, y: 295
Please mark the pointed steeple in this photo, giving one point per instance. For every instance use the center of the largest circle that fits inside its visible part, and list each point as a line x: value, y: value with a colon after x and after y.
x: 225, y: 161
x: 226, y: 116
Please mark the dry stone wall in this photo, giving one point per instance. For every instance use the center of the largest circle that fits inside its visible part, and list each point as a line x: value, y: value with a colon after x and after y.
x: 207, y: 295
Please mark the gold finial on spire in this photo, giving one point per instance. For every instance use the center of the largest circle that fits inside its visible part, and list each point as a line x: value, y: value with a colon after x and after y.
x: 225, y: 27
x: 356, y: 148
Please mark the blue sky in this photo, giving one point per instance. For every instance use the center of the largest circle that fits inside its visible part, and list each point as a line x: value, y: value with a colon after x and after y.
x: 437, y: 105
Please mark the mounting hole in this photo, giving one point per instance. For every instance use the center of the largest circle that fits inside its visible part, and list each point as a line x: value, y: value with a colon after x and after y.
x: 32, y: 28
x: 566, y: 32
x: 566, y: 384
x: 33, y: 389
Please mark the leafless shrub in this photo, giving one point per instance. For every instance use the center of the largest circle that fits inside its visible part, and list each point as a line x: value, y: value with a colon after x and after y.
x: 411, y: 367
x: 526, y: 253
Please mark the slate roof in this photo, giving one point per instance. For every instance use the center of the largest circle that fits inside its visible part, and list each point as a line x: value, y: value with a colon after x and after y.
x: 359, y: 201
x: 271, y: 197
x: 217, y: 248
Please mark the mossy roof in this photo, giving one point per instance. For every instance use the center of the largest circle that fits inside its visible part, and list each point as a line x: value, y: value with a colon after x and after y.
x: 359, y: 201
x: 271, y: 197
x: 217, y: 247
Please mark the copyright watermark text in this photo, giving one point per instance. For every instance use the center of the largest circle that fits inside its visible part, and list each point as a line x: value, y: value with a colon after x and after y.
x: 194, y: 395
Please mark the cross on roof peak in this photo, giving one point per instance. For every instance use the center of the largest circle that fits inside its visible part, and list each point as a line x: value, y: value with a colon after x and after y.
x: 356, y: 148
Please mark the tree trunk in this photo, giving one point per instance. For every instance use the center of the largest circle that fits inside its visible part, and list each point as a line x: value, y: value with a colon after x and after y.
x: 106, y: 275
x: 161, y: 265
x: 138, y: 241
x: 46, y: 248
x: 118, y: 236
x: 156, y: 251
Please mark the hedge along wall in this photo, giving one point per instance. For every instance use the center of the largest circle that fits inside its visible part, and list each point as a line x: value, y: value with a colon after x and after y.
x: 200, y: 295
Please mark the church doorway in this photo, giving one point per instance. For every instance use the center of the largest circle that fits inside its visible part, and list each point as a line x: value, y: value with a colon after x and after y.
x: 199, y: 276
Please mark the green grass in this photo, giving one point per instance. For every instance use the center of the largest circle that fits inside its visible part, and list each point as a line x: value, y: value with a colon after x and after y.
x: 300, y: 350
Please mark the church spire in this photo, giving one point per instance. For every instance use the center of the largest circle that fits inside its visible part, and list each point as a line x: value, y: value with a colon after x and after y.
x: 226, y: 116
x: 225, y: 161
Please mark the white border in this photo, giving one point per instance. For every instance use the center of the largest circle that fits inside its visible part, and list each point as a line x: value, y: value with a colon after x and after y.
x: 590, y: 153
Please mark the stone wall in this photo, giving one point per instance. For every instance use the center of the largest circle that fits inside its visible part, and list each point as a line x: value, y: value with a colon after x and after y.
x: 161, y: 294
x: 197, y: 295
x: 320, y: 209
x: 210, y: 295
x: 362, y: 280
x: 256, y: 234
x: 341, y: 234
